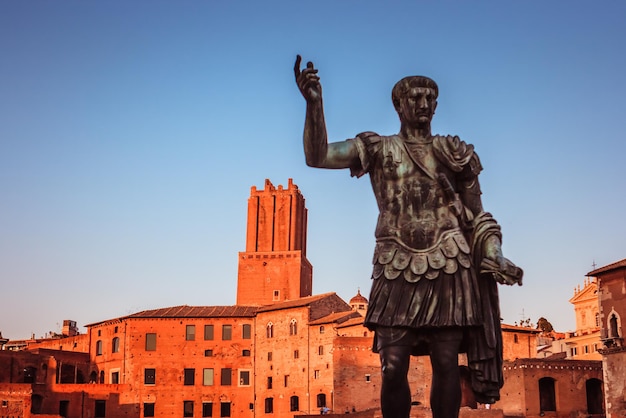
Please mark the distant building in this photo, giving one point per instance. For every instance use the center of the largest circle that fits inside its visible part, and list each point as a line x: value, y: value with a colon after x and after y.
x: 583, y: 343
x: 279, y: 352
x: 611, y: 281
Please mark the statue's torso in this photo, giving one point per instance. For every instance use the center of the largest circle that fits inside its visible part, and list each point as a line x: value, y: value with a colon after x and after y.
x: 415, y: 210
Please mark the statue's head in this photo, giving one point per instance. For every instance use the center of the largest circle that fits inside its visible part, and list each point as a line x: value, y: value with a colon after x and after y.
x: 415, y: 97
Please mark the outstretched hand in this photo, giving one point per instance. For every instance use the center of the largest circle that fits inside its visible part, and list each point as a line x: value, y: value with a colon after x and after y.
x: 308, y: 81
x: 503, y: 271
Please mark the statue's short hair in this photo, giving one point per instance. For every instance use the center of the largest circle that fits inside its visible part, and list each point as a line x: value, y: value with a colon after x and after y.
x: 407, y: 83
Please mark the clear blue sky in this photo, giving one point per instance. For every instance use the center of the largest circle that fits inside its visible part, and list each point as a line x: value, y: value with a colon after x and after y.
x: 132, y: 131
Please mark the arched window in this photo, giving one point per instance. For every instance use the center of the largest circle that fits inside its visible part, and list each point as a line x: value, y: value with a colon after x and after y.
x: 293, y: 327
x: 115, y: 345
x: 294, y: 404
x: 99, y: 348
x: 613, y: 326
x: 547, y: 394
x: 102, y: 376
x: 270, y: 330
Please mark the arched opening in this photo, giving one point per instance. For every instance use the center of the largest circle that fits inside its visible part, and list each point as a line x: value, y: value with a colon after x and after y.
x: 613, y: 328
x: 293, y: 327
x: 93, y: 377
x: 102, y: 376
x: 547, y: 394
x: 321, y: 400
x: 595, y: 398
x: 115, y: 345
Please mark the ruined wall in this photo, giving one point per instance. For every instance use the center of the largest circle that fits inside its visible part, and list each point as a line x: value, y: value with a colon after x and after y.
x: 521, y: 394
x: 614, y: 368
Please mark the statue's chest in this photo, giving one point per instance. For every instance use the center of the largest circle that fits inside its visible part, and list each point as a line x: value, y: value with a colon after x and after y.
x: 407, y: 162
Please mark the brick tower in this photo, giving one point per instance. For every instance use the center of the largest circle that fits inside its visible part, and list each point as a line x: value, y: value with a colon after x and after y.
x: 274, y: 267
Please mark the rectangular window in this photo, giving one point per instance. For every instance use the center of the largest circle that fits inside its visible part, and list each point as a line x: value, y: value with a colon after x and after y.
x: 188, y: 408
x: 148, y: 409
x: 208, y: 353
x: 115, y: 378
x: 286, y: 380
x: 276, y: 295
x: 226, y: 377
x: 100, y: 410
x: 208, y: 332
x: 245, y: 353
x: 99, y: 348
x: 149, y: 376
x: 269, y: 382
x: 244, y: 378
x: 320, y: 350
x: 269, y: 356
x: 294, y: 404
x: 151, y: 341
x: 207, y: 377
x: 190, y: 375
x: 296, y: 354
x: 246, y: 331
x: 316, y: 374
x: 63, y: 407
x: 269, y: 405
x: 207, y: 409
x: 224, y: 409
x: 190, y: 333
x: 368, y: 378
x: 227, y: 332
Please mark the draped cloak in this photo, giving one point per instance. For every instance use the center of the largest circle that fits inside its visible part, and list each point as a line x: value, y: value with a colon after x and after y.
x: 429, y: 248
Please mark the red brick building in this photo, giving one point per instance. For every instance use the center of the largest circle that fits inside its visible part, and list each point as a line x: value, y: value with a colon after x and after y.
x: 612, y: 294
x: 279, y: 352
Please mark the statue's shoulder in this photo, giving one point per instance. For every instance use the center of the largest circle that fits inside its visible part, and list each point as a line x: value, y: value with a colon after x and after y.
x: 456, y: 154
x: 369, y: 137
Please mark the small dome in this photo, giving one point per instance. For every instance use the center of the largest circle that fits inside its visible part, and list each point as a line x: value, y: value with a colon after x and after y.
x: 358, y: 298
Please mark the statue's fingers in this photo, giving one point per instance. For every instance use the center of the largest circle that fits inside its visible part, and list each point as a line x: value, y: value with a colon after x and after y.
x: 309, y: 65
x: 296, y: 67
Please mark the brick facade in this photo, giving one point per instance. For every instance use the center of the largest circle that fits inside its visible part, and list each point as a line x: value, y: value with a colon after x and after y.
x: 273, y: 355
x: 274, y: 267
x: 612, y: 294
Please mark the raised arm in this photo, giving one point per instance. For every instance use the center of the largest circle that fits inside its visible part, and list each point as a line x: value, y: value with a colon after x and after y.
x: 317, y: 150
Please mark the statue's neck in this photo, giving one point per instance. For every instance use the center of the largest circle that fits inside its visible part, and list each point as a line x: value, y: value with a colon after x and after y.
x: 419, y: 133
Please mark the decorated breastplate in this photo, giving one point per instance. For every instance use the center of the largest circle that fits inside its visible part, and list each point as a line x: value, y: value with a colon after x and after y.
x: 417, y: 233
x: 415, y: 209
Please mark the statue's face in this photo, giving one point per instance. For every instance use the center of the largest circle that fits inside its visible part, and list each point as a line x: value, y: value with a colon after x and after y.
x: 417, y: 106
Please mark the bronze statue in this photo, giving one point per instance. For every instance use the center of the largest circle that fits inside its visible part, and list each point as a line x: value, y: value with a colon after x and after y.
x: 438, y: 253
